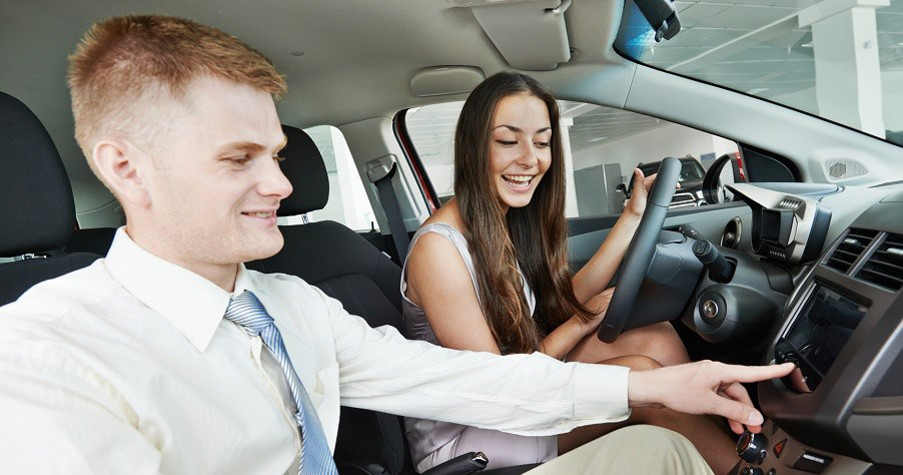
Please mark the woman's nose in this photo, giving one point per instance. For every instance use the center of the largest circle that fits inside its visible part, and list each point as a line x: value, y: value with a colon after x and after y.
x: 528, y: 156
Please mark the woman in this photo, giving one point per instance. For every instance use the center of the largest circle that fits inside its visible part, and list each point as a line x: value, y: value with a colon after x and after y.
x: 489, y: 272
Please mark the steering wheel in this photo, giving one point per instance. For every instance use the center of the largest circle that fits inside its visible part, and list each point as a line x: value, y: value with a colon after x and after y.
x: 642, y: 248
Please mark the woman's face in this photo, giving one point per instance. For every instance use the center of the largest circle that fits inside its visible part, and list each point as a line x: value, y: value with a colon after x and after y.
x: 519, y: 148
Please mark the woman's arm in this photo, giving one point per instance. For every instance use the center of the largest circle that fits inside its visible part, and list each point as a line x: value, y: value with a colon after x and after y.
x: 440, y: 284
x: 594, y: 277
x: 567, y: 335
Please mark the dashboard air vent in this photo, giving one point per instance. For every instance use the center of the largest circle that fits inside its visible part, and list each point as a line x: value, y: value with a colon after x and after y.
x: 850, y: 248
x: 790, y: 203
x: 885, y: 267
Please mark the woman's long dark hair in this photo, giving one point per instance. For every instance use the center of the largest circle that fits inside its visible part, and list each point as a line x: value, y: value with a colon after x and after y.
x: 534, y: 237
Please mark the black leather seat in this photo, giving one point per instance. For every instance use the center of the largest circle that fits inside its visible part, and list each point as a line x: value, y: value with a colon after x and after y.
x: 91, y: 240
x: 348, y: 268
x: 37, y: 212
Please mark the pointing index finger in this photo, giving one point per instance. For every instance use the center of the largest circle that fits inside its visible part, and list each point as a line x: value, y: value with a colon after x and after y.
x: 751, y: 374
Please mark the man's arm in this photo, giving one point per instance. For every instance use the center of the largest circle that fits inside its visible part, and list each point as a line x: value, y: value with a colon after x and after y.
x: 522, y: 394
x: 57, y: 417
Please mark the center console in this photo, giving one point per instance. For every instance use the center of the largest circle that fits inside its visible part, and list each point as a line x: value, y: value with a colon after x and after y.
x: 841, y: 410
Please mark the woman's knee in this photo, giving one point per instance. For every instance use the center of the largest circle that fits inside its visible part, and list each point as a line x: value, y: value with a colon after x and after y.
x: 665, y: 346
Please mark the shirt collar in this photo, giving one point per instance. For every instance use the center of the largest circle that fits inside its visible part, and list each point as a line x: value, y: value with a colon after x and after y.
x: 190, y: 302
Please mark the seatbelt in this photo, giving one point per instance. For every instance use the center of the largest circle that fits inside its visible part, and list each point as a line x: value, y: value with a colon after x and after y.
x: 380, y: 172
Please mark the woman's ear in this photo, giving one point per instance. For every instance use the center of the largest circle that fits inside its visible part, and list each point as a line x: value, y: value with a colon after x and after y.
x: 121, y: 166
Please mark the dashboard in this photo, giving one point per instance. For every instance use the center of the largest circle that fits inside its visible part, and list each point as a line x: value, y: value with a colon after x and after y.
x: 789, y: 228
x: 841, y: 410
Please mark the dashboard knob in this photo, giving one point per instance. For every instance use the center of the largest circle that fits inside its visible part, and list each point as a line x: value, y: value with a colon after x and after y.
x: 751, y: 471
x: 709, y: 309
x: 750, y: 446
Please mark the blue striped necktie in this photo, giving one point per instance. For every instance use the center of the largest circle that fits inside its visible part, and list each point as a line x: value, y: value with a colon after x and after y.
x: 247, y: 312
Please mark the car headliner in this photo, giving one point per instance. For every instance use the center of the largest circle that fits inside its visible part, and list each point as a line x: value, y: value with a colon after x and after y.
x: 357, y: 63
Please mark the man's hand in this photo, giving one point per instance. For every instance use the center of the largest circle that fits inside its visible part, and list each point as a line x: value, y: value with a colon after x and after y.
x: 704, y: 387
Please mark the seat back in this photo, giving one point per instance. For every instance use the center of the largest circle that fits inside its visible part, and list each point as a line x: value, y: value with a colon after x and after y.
x: 37, y: 212
x: 345, y: 266
x: 91, y: 240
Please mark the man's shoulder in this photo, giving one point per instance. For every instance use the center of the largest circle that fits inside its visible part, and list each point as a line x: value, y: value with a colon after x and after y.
x: 49, y: 301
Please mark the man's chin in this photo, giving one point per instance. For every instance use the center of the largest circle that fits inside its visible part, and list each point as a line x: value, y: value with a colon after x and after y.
x: 266, y: 248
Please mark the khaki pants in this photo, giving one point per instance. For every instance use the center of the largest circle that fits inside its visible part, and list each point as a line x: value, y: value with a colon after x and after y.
x: 632, y: 450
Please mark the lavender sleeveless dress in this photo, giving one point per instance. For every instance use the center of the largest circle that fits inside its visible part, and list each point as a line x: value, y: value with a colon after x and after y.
x: 434, y: 442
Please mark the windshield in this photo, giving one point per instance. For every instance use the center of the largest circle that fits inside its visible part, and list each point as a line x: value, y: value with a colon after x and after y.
x: 842, y: 61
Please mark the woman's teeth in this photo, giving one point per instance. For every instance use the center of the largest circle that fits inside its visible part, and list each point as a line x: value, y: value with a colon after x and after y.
x: 518, y: 180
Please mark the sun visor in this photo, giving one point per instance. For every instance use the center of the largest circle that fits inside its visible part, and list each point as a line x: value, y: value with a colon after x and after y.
x: 531, y: 35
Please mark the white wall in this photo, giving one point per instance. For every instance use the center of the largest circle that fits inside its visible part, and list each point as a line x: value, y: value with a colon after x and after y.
x: 652, y: 145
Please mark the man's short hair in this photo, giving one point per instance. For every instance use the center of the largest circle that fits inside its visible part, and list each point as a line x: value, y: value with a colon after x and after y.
x: 125, y: 67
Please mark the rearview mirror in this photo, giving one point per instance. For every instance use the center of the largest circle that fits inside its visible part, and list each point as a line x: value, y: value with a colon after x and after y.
x: 662, y: 16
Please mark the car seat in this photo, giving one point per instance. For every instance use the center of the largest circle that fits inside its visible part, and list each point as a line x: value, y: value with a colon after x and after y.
x: 37, y: 212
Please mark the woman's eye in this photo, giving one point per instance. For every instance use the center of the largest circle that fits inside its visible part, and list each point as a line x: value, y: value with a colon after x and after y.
x: 507, y: 142
x: 542, y: 144
x: 239, y: 161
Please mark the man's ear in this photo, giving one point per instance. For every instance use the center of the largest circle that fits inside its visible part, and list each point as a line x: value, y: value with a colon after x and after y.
x: 122, y: 166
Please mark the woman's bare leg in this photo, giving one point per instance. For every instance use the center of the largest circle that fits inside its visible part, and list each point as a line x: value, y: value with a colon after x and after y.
x: 715, y: 445
x: 659, y: 342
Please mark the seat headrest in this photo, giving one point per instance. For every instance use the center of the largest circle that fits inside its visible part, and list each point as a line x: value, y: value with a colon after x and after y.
x: 37, y: 212
x: 305, y: 170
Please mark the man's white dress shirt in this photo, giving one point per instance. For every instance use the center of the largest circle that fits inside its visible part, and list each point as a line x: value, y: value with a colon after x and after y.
x: 127, y: 366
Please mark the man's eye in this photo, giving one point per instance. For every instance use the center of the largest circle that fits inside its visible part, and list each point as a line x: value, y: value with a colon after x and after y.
x: 239, y: 161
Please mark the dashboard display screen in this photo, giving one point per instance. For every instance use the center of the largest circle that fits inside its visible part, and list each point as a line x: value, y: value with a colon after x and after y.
x: 820, y: 331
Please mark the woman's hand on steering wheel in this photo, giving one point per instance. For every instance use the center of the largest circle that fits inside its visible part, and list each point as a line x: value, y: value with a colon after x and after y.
x: 637, y: 202
x: 640, y: 191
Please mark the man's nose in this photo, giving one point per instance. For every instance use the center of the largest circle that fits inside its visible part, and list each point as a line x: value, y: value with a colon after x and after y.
x: 274, y: 182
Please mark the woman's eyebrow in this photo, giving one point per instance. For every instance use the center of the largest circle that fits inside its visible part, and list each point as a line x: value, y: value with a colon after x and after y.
x: 516, y: 129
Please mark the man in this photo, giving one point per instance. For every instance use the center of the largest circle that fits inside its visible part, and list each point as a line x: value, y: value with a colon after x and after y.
x: 169, y: 356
